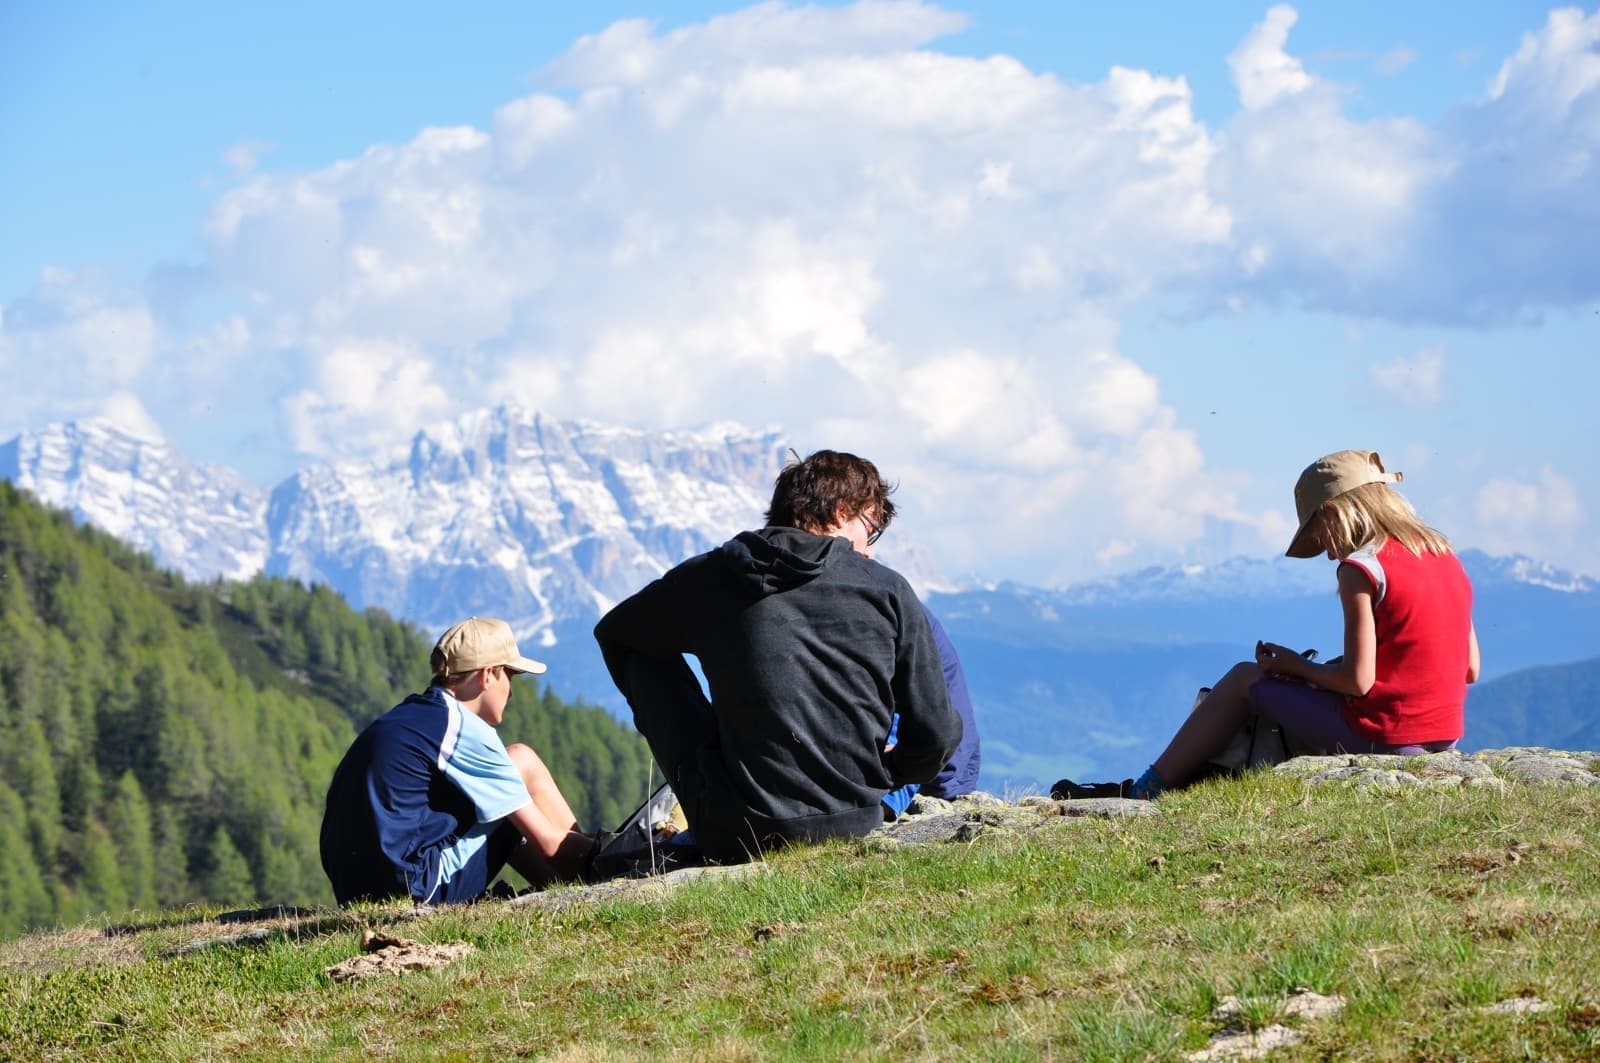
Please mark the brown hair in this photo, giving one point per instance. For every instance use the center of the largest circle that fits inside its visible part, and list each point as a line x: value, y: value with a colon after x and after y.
x: 1375, y: 513
x: 810, y: 492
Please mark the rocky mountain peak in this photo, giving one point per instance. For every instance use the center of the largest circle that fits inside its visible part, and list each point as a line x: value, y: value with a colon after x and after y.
x: 503, y: 511
x: 204, y: 521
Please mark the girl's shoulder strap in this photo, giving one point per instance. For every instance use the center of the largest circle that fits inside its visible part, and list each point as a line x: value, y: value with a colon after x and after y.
x: 1366, y: 559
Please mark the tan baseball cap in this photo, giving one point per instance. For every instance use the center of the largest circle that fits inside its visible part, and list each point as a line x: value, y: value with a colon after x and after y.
x: 1328, y: 478
x: 480, y: 642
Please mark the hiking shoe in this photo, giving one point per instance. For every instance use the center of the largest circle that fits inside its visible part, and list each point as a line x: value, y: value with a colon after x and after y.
x: 1067, y: 790
x: 597, y: 865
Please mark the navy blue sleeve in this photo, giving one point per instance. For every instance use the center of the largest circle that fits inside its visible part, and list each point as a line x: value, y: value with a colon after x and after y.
x: 960, y: 775
x: 929, y: 730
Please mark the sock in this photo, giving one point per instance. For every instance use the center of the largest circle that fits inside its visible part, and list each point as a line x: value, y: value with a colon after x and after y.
x: 1147, y: 786
x: 896, y: 802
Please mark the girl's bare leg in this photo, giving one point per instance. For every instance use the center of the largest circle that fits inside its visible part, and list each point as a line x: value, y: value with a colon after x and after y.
x: 1209, y: 727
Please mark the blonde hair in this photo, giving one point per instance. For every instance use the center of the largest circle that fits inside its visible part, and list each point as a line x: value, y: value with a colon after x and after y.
x: 1375, y: 513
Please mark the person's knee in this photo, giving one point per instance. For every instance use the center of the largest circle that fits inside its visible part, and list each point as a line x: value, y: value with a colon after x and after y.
x: 1231, y: 695
x: 527, y: 762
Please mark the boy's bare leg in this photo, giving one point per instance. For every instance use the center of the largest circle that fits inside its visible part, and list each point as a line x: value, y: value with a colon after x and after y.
x: 556, y: 849
x: 542, y: 786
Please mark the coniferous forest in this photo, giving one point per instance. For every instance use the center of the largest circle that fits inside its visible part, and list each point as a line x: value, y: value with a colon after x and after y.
x: 164, y: 743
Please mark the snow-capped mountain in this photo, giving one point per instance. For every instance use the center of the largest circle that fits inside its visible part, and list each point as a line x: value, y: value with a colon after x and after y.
x: 1237, y: 577
x: 510, y: 513
x: 204, y: 521
x: 1272, y: 578
x: 503, y: 512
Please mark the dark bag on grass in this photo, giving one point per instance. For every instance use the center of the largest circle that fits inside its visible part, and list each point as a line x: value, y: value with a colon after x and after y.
x: 652, y: 841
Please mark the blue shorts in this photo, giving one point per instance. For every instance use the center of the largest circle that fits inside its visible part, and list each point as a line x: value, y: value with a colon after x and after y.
x: 1316, y: 719
x: 472, y: 880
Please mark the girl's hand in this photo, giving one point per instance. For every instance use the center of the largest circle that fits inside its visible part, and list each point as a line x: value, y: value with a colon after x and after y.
x: 1271, y: 657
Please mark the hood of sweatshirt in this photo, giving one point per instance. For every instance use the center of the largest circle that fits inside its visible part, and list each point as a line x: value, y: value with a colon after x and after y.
x: 773, y: 560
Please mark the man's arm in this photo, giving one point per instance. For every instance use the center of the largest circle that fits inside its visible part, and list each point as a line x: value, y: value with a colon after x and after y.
x: 651, y: 623
x: 929, y: 728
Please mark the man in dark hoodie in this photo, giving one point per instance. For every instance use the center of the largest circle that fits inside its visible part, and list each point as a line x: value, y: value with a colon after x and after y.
x: 810, y: 649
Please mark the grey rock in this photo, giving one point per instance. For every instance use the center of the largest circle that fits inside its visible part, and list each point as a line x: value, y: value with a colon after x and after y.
x: 1308, y: 767
x: 1106, y: 808
x: 929, y: 806
x: 920, y: 830
x: 980, y: 799
x: 1531, y: 764
x: 555, y: 900
x: 1490, y: 769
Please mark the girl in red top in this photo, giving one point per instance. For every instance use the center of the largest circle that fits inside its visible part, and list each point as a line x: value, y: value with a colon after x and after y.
x: 1409, y: 645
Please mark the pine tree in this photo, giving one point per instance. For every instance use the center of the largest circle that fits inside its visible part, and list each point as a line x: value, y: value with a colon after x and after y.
x: 35, y: 779
x: 227, y: 875
x: 173, y: 887
x: 101, y: 885
x: 25, y: 903
x: 128, y: 820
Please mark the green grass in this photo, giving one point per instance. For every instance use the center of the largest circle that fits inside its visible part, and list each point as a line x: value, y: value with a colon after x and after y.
x: 1084, y: 939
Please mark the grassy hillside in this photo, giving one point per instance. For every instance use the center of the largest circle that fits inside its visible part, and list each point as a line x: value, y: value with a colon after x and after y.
x: 1082, y: 939
x: 163, y: 743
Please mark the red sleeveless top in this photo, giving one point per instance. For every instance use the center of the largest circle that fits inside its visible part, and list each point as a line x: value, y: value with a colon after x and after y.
x: 1422, y: 606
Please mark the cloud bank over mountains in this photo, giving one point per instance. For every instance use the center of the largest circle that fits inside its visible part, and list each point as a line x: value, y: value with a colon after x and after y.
x: 813, y: 218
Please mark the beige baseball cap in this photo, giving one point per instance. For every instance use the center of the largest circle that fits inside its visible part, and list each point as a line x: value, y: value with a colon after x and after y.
x: 1328, y: 478
x: 480, y: 642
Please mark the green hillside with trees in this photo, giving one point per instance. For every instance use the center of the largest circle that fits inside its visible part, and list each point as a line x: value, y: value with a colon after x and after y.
x: 164, y: 743
x: 1554, y: 705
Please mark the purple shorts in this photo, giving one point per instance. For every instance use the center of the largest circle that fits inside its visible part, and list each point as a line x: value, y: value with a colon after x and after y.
x: 1316, y: 718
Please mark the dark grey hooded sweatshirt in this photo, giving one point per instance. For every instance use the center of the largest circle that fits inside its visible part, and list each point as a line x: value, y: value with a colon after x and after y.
x: 808, y: 649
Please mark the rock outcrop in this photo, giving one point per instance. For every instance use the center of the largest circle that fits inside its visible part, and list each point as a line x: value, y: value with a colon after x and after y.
x: 932, y: 820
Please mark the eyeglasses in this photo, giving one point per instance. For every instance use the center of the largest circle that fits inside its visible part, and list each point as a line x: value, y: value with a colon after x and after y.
x: 874, y: 529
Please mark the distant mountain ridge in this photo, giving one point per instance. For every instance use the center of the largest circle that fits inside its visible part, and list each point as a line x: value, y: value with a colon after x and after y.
x: 535, y: 519
x: 1558, y: 703
x: 538, y: 519
x: 203, y: 521
x: 548, y: 522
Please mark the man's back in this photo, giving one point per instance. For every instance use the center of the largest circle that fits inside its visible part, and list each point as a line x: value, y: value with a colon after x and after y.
x: 808, y: 649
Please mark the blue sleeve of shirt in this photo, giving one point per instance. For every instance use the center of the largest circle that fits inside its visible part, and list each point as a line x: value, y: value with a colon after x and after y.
x: 481, y: 767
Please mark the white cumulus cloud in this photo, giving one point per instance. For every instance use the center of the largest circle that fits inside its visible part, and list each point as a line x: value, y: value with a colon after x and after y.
x: 1415, y: 381
x: 1549, y: 501
x: 1544, y: 508
x: 1262, y: 71
x: 812, y: 216
x: 369, y: 395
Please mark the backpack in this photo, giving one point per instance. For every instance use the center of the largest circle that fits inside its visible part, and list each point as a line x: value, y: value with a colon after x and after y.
x: 1258, y: 743
x: 652, y: 841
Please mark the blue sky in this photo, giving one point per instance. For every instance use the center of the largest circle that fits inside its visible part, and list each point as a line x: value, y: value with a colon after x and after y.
x: 1093, y: 284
